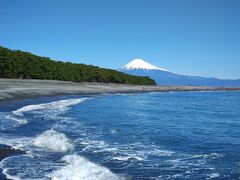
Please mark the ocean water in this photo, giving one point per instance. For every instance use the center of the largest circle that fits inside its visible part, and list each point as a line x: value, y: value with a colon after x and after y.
x: 169, y: 135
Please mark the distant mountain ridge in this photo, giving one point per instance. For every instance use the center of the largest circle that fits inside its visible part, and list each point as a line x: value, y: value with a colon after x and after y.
x: 162, y: 76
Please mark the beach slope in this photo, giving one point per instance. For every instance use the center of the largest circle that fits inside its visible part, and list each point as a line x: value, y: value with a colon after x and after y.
x: 23, y: 88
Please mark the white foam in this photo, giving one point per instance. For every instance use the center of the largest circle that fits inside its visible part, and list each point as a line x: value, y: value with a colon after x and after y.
x: 79, y: 168
x: 20, y: 121
x: 27, y: 167
x: 141, y: 155
x: 135, y: 151
x: 212, y: 156
x: 214, y: 175
x: 61, y: 105
x: 127, y: 157
x: 53, y: 140
x: 113, y: 131
x: 8, y: 121
x: 20, y: 143
x: 155, y: 151
x: 5, y: 172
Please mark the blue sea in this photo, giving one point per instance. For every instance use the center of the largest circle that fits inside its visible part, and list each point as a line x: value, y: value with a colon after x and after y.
x: 165, y: 135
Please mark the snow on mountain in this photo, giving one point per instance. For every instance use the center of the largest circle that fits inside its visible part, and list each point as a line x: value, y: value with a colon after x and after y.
x: 162, y: 76
x: 138, y: 64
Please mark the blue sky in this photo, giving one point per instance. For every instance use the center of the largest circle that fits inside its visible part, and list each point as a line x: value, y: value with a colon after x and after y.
x: 195, y: 37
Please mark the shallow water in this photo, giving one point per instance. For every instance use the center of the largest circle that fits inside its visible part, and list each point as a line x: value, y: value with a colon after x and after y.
x: 170, y: 135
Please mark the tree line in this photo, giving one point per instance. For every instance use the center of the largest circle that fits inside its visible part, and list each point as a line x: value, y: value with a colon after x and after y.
x: 19, y: 64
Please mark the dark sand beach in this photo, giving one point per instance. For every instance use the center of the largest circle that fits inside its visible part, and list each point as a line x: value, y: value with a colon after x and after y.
x: 23, y: 88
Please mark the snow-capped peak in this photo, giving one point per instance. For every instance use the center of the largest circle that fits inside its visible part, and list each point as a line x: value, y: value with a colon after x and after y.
x: 141, y: 64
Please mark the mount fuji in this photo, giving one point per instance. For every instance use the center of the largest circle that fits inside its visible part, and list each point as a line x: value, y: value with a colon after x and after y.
x: 162, y: 76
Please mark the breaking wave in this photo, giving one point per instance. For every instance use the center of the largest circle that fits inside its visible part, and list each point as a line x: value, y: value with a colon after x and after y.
x: 61, y: 105
x: 53, y: 140
x: 80, y: 168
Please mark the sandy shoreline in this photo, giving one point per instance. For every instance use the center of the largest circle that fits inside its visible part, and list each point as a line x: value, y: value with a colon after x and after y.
x: 19, y: 89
